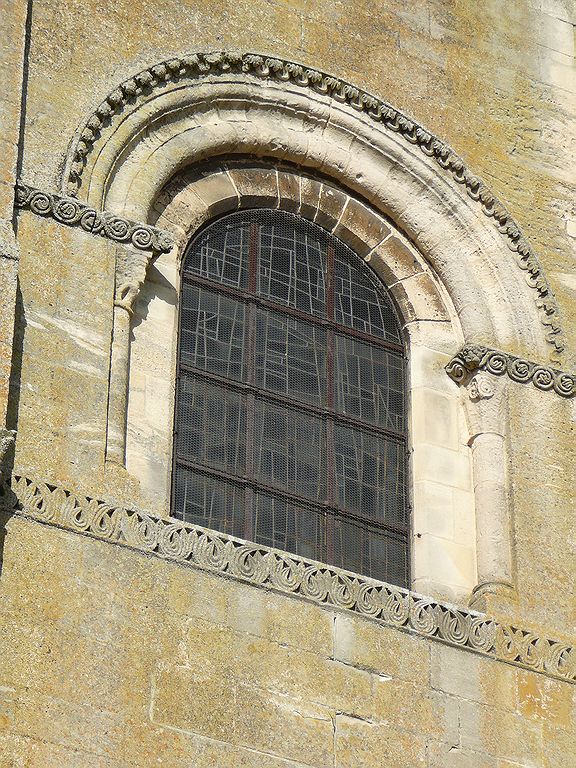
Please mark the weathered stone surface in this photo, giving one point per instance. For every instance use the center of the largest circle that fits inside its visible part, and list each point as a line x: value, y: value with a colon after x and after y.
x: 201, y: 700
x: 381, y: 650
x: 110, y: 659
x: 363, y: 744
x: 360, y: 229
x: 476, y: 679
x: 500, y: 734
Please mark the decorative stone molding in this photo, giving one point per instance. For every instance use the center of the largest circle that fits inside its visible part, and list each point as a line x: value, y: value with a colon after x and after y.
x: 72, y: 213
x: 288, y: 574
x: 196, y: 66
x: 473, y: 357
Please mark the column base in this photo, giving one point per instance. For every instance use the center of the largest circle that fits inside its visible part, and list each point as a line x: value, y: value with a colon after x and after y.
x: 492, y: 596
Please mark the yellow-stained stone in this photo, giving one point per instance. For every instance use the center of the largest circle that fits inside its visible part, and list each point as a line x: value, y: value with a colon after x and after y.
x: 500, y: 734
x: 545, y: 700
x: 475, y: 678
x: 17, y: 751
x: 112, y: 659
x: 381, y: 650
x: 202, y: 700
x: 415, y: 708
x: 362, y: 744
x: 443, y: 755
x: 279, y: 668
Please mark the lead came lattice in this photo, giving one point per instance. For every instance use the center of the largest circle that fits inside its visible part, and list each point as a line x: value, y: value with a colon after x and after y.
x: 291, y: 396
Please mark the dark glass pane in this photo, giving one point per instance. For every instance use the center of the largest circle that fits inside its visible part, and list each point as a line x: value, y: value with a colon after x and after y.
x: 281, y: 524
x: 290, y: 450
x: 221, y: 254
x: 290, y: 357
x: 212, y: 332
x: 208, y: 502
x: 369, y: 383
x: 364, y: 549
x: 370, y: 475
x: 359, y: 304
x: 211, y: 425
x: 292, y: 265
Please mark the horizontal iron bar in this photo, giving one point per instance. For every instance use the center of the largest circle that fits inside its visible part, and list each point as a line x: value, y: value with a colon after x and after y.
x: 276, y: 397
x: 319, y: 507
x: 246, y: 296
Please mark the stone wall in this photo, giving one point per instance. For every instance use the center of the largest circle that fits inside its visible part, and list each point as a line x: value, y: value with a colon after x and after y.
x: 110, y: 657
x: 495, y: 80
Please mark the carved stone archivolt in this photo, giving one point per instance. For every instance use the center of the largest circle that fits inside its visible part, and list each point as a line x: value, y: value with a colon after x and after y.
x: 288, y: 574
x: 72, y: 213
x: 473, y: 357
x: 196, y: 66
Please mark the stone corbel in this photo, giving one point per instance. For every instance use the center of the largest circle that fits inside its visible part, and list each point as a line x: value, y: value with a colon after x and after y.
x: 131, y: 268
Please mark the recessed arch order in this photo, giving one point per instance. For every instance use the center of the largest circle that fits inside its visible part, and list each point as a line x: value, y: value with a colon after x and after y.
x: 141, y: 153
x: 199, y: 106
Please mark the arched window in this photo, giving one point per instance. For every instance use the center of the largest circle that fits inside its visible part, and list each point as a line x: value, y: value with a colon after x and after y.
x: 290, y: 425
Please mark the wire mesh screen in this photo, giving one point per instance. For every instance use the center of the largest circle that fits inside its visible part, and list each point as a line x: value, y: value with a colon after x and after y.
x: 290, y: 426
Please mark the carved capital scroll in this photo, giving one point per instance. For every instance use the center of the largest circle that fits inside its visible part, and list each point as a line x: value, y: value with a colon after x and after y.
x: 131, y: 268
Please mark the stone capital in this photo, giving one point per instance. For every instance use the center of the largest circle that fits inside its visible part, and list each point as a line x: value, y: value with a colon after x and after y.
x: 131, y: 268
x: 486, y: 404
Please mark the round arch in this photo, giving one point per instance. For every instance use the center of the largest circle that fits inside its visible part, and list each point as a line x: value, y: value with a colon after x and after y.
x: 443, y: 551
x: 202, y: 106
x: 135, y: 154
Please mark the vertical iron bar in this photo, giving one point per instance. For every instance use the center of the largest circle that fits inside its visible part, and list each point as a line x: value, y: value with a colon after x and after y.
x: 330, y: 400
x: 249, y: 500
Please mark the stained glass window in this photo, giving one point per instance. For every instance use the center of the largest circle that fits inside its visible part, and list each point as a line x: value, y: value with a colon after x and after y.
x: 290, y: 426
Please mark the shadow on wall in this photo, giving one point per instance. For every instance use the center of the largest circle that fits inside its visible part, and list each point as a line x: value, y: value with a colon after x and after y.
x: 16, y: 365
x: 155, y: 287
x: 7, y: 498
x: 8, y: 434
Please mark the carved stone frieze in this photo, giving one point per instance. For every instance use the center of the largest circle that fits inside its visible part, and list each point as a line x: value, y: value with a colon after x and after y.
x: 196, y: 66
x: 289, y: 574
x: 72, y: 213
x: 474, y: 357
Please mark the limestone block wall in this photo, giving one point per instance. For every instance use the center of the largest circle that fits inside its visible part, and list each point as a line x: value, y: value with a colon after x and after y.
x: 495, y: 80
x: 113, y: 658
x: 110, y: 657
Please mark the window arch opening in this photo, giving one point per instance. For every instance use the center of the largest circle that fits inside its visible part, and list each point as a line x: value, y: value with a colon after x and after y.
x: 290, y: 418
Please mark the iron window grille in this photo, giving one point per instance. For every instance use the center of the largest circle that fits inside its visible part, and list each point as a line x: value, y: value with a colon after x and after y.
x: 290, y: 420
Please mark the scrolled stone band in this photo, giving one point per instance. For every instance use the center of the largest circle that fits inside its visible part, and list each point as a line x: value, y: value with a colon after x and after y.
x: 261, y: 566
x: 69, y: 211
x: 474, y: 357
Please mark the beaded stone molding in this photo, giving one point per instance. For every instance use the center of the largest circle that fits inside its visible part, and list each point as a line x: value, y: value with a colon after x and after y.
x: 71, y: 212
x: 216, y: 552
x: 195, y: 66
x: 473, y: 357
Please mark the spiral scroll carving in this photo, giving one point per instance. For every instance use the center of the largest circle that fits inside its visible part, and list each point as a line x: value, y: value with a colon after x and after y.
x: 473, y: 357
x: 72, y: 213
x: 264, y: 567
